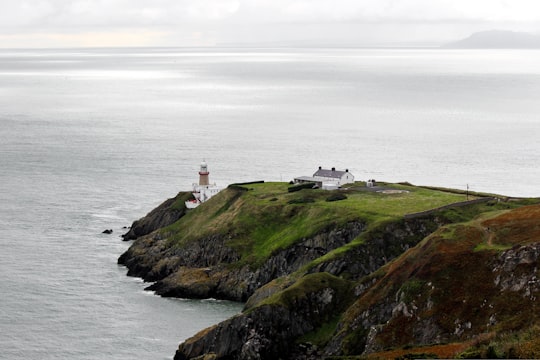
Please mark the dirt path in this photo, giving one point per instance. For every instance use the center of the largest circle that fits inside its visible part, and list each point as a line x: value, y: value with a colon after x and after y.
x: 489, y: 235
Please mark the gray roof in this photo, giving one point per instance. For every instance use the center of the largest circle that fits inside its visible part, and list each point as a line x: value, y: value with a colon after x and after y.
x: 330, y: 173
x: 306, y: 178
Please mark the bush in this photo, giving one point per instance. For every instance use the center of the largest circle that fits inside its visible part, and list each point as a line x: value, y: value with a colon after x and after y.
x: 406, y: 183
x: 302, y: 200
x: 336, y: 197
x: 298, y: 187
x: 240, y: 185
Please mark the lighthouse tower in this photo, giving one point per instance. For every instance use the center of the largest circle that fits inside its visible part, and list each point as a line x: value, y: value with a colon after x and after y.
x: 203, y: 174
x: 203, y: 190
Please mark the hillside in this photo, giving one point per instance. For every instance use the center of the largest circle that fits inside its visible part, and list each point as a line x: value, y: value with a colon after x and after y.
x: 350, y: 272
x: 497, y: 39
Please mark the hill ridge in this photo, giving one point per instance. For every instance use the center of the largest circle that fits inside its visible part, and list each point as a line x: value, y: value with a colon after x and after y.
x: 497, y: 39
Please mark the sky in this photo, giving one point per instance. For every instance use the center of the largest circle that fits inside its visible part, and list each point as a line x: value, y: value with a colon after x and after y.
x: 102, y: 23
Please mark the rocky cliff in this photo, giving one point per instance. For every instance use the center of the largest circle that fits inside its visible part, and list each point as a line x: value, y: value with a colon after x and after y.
x: 165, y: 214
x: 348, y: 278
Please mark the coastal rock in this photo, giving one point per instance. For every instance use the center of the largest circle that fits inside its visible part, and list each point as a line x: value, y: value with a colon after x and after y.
x: 517, y: 270
x: 391, y: 241
x: 151, y: 259
x: 165, y: 214
x: 188, y: 283
x: 268, y: 330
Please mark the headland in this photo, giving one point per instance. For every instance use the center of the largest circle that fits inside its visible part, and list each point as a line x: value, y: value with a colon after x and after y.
x: 385, y: 271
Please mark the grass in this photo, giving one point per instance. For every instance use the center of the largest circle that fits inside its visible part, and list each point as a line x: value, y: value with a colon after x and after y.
x: 414, y: 199
x: 495, y: 247
x: 310, y: 284
x: 322, y: 334
x: 179, y: 203
x: 411, y: 289
x: 262, y: 218
x: 522, y: 344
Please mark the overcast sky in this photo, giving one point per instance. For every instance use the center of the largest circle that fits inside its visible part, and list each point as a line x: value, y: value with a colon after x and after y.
x: 74, y: 23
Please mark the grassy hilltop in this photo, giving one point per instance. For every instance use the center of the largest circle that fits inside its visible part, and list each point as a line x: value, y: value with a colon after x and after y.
x: 265, y: 217
x: 351, y: 273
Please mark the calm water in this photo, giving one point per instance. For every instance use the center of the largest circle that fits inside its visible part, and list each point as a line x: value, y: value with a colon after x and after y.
x: 93, y: 139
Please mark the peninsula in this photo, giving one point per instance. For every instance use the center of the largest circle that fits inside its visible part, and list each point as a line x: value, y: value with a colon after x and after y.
x: 385, y: 271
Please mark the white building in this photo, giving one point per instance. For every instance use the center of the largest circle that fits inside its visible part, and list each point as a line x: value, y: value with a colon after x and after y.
x: 203, y: 190
x: 328, y: 179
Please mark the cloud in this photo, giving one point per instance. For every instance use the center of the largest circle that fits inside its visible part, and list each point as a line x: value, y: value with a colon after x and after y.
x: 118, y: 13
x: 111, y: 13
x: 83, y: 39
x: 394, y: 10
x: 173, y: 22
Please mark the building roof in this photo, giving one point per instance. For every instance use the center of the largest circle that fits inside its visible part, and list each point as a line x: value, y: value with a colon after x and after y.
x: 307, y: 178
x: 330, y: 173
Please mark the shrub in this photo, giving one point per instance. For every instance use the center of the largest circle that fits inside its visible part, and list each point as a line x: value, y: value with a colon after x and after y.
x: 411, y: 289
x: 336, y: 197
x: 241, y: 185
x: 302, y: 200
x: 298, y: 187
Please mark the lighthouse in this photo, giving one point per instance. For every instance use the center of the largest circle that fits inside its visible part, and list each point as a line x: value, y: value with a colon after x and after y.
x: 203, y: 174
x: 203, y: 190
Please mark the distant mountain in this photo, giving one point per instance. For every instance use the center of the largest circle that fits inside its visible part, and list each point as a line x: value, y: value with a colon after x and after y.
x: 497, y: 39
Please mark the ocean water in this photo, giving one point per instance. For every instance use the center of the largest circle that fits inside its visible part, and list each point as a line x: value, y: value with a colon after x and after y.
x: 94, y: 139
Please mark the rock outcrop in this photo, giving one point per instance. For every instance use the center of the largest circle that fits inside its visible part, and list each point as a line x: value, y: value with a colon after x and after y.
x: 206, y: 264
x: 379, y: 247
x: 451, y: 287
x: 165, y: 214
x: 269, y: 330
x: 517, y: 270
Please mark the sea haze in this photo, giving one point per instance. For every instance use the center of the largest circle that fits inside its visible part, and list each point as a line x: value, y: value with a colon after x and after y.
x: 94, y: 139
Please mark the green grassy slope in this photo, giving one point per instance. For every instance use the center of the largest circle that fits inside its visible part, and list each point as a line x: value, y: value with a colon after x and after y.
x: 262, y: 218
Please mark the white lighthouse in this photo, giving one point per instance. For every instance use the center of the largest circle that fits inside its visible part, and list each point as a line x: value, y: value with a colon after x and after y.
x: 203, y: 190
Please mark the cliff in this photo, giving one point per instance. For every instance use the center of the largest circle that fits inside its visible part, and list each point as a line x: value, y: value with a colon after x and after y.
x: 352, y: 277
x: 165, y: 214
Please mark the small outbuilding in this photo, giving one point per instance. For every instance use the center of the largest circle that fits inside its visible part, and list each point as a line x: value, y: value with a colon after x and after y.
x: 371, y: 183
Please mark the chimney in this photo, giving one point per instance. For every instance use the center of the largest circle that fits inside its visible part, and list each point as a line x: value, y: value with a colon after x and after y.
x: 320, y: 167
x: 333, y: 169
x: 346, y: 170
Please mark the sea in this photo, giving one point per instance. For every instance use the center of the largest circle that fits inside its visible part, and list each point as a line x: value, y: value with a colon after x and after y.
x: 92, y: 139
